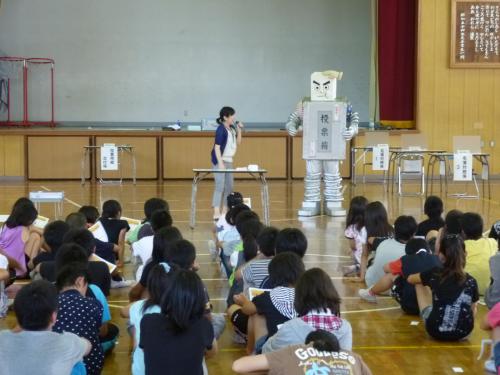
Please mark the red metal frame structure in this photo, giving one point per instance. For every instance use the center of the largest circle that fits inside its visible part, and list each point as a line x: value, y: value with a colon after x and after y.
x: 26, y: 61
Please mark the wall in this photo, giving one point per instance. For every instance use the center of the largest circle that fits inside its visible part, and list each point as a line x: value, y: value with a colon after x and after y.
x: 123, y: 60
x: 453, y: 101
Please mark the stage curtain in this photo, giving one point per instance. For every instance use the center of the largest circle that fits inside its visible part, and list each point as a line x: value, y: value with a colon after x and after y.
x: 397, y: 45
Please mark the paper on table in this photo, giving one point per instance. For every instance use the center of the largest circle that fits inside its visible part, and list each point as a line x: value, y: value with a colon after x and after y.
x: 97, y: 258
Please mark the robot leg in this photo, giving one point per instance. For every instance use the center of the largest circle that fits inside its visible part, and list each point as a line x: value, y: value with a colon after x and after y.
x: 311, y: 206
x: 333, y: 188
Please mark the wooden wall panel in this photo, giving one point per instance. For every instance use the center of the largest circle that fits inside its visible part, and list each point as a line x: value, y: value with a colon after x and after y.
x: 145, y: 150
x: 13, y: 155
x: 453, y: 101
x: 55, y: 157
x: 182, y: 154
x: 268, y: 153
x: 299, y: 165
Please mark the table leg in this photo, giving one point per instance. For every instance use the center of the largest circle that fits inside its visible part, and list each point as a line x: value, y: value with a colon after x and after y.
x: 429, y: 174
x: 194, y: 190
x: 82, y: 169
x: 389, y: 171
x: 353, y: 166
x: 265, y: 198
x: 134, y: 167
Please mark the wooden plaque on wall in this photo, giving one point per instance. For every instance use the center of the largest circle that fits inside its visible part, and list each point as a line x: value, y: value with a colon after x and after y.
x: 475, y: 34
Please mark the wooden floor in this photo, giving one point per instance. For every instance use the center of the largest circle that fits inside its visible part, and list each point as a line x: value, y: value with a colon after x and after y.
x: 382, y: 334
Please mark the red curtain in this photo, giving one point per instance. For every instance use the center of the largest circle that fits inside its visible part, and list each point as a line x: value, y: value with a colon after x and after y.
x: 397, y: 27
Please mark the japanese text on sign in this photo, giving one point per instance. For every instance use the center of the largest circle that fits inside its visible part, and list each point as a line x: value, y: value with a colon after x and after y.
x: 476, y: 32
x: 380, y: 161
x: 324, y: 131
x: 462, y: 166
x: 109, y: 158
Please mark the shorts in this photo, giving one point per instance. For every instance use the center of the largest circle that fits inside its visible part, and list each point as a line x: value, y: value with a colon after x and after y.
x: 426, y: 312
x: 240, y: 321
x: 259, y: 344
x: 218, y: 324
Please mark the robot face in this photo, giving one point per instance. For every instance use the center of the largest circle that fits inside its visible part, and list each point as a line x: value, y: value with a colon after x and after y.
x: 323, y: 88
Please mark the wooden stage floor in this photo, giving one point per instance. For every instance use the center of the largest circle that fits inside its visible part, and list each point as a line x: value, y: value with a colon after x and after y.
x: 382, y: 334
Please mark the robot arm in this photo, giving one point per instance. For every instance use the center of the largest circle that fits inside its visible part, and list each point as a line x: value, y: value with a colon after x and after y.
x: 352, y: 122
x: 293, y: 124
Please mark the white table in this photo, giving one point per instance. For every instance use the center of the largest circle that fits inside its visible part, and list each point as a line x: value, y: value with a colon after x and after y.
x: 54, y: 197
x: 443, y: 157
x: 259, y: 175
x: 121, y: 148
x: 397, y: 155
x: 354, y: 161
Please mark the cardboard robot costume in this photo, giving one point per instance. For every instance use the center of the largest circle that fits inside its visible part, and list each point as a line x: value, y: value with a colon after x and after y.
x: 327, y: 123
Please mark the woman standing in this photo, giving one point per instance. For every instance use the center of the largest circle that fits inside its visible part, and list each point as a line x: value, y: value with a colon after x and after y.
x: 227, y: 137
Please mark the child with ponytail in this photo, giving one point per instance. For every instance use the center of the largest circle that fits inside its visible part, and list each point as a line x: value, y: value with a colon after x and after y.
x: 447, y: 297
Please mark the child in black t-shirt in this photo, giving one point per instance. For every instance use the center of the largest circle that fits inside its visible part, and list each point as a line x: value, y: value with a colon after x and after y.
x: 177, y: 339
x: 52, y: 239
x: 447, y: 297
x: 115, y: 228
x: 433, y: 208
x: 418, y: 258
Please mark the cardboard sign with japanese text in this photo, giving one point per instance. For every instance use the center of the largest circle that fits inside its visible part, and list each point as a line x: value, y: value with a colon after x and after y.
x: 109, y: 157
x: 380, y: 158
x: 323, y: 125
x: 462, y: 166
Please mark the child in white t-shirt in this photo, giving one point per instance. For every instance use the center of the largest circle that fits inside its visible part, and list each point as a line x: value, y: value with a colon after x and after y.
x: 356, y: 232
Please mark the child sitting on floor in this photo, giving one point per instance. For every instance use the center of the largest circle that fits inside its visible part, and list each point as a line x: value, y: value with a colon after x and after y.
x: 52, y: 240
x: 261, y: 316
x: 256, y: 271
x: 418, y: 258
x: 4, y: 277
x: 146, y: 229
x: 78, y: 220
x: 157, y: 284
x: 43, y: 351
x: 180, y: 336
x: 447, y: 297
x: 491, y: 323
x: 433, y: 208
x: 115, y: 228
x: 19, y: 239
x: 78, y: 314
x: 355, y: 232
x: 321, y: 354
x: 143, y: 248
x: 378, y: 230
x: 162, y: 241
x: 317, y: 303
x: 229, y: 240
x: 478, y: 250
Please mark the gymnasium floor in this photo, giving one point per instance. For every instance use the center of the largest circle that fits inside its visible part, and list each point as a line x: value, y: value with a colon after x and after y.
x: 389, y: 341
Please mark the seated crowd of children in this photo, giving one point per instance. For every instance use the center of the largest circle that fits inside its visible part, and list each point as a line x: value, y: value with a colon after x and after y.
x: 288, y: 317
